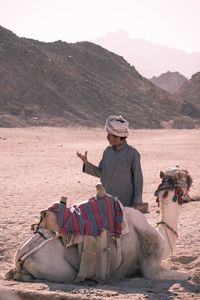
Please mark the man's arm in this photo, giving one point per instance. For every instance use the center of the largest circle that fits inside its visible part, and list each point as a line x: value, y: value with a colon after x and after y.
x: 92, y: 169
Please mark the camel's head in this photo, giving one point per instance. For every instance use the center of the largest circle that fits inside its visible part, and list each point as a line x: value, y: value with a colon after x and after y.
x: 176, y: 179
x: 176, y: 176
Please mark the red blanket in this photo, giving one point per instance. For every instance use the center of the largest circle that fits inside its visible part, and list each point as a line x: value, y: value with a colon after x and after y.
x: 91, y: 217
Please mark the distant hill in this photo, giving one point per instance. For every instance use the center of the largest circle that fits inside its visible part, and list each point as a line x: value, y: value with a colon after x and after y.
x: 150, y: 59
x: 190, y: 91
x: 69, y: 84
x: 169, y: 81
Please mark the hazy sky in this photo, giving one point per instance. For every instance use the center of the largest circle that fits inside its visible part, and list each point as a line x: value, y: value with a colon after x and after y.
x: 173, y: 23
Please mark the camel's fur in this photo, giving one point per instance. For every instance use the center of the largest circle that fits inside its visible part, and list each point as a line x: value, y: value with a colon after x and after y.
x: 143, y: 248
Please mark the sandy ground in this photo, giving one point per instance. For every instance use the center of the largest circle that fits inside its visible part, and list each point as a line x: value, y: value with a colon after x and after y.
x: 39, y: 165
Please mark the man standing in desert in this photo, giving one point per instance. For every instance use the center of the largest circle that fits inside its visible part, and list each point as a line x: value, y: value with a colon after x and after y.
x: 119, y: 169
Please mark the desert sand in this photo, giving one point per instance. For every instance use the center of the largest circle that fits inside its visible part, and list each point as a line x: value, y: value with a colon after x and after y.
x: 39, y: 165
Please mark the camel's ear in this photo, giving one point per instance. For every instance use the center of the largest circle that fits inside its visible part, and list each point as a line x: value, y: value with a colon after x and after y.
x: 43, y: 214
x: 162, y: 174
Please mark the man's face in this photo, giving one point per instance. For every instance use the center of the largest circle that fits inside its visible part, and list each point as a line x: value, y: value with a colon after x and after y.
x: 114, y: 140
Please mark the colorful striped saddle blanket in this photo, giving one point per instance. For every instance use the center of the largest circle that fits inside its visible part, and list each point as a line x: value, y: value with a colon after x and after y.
x: 90, y: 218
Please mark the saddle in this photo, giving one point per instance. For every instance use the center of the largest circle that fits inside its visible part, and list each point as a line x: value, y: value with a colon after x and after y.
x: 92, y: 225
x: 99, y: 213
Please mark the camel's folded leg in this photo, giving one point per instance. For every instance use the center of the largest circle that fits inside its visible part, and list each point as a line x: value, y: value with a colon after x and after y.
x: 154, y: 270
x: 168, y: 274
x: 9, y: 274
x: 24, y: 275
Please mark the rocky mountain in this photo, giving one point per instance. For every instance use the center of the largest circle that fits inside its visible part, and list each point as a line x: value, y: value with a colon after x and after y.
x: 150, y: 59
x: 190, y: 90
x: 60, y: 84
x: 169, y: 81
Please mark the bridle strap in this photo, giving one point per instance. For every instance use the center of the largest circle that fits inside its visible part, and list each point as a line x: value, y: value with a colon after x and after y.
x: 41, y: 234
x: 169, y: 227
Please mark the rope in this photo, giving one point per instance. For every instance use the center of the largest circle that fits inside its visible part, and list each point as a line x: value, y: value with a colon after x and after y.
x: 34, y: 249
x: 169, y: 227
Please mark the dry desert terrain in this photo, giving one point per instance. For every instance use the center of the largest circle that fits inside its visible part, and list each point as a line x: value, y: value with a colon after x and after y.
x: 39, y: 165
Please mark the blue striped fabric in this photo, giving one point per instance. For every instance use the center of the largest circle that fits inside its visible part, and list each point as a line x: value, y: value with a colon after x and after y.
x: 81, y: 223
x: 69, y: 225
x: 102, y: 210
x: 59, y: 210
x: 91, y: 217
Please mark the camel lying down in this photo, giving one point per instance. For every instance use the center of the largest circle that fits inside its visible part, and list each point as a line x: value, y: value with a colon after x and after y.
x: 142, y: 247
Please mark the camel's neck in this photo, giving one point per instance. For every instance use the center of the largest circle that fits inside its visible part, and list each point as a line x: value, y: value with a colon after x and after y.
x: 169, y: 215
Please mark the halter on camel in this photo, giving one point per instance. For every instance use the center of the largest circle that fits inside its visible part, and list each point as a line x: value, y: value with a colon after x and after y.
x: 174, y: 179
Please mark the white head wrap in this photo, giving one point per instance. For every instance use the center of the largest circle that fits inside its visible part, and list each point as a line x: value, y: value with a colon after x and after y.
x: 117, y: 125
